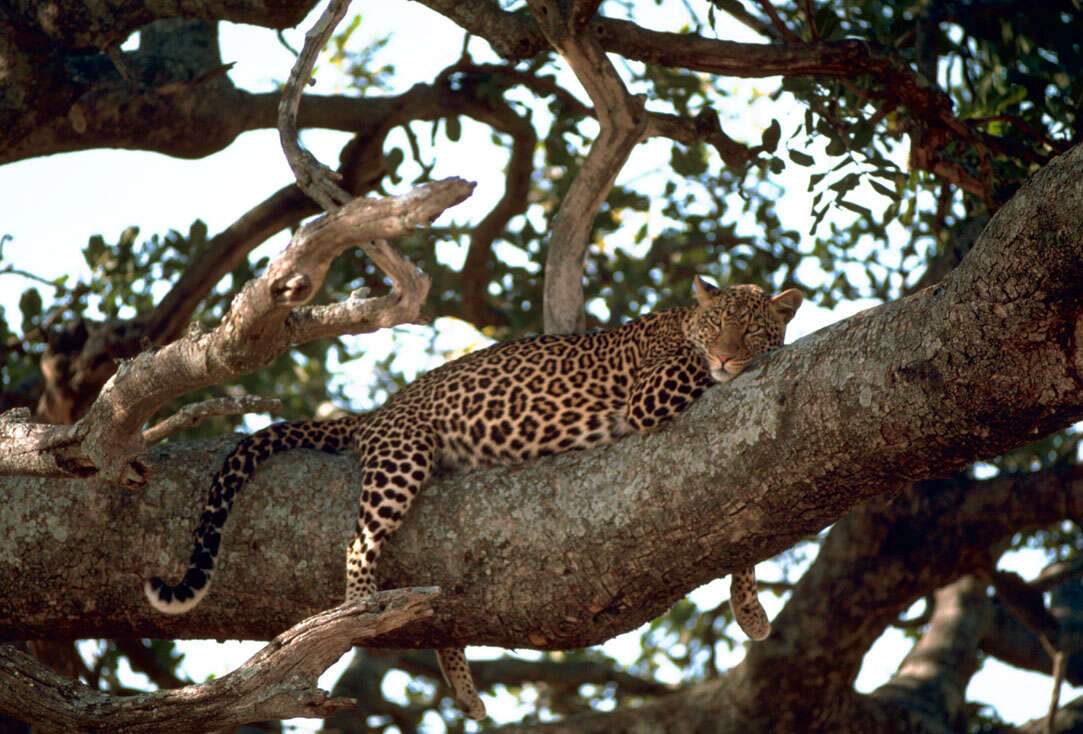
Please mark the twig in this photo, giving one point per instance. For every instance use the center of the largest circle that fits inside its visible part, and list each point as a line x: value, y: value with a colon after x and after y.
x: 314, y: 178
x: 1025, y: 126
x: 195, y: 413
x: 1060, y: 667
x: 810, y: 16
x: 1058, y: 573
x: 777, y: 22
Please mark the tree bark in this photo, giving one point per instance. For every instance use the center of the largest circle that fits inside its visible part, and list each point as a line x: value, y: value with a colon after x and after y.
x: 572, y: 550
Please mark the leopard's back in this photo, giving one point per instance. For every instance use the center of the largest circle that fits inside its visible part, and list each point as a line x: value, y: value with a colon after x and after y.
x: 515, y: 401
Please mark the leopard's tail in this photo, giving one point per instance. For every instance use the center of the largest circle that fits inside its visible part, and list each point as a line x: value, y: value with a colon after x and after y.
x: 332, y: 436
x: 747, y: 610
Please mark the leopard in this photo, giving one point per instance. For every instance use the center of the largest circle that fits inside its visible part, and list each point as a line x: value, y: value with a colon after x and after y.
x: 509, y: 403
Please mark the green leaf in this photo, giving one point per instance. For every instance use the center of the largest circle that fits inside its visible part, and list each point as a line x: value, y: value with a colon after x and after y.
x: 863, y: 211
x: 861, y: 135
x: 392, y: 160
x: 845, y: 183
x: 30, y: 305
x: 94, y: 251
x: 836, y: 147
x: 883, y: 190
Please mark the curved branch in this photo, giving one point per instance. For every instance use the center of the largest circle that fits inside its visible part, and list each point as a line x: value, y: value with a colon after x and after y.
x: 262, y: 322
x: 314, y: 178
x: 623, y: 122
x: 278, y: 682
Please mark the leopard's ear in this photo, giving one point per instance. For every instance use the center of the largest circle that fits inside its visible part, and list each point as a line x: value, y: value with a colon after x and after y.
x: 786, y: 303
x: 705, y: 292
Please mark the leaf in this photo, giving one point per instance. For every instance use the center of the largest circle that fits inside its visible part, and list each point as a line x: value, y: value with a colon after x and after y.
x: 454, y: 129
x: 94, y: 251
x: 392, y: 161
x: 30, y: 305
x: 862, y: 135
x: 801, y: 159
x: 836, y: 147
x: 845, y: 183
x: 883, y: 190
x: 771, y: 136
x: 863, y: 211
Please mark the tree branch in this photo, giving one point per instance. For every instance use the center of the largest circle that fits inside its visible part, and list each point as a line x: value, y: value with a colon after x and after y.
x: 622, y: 122
x: 278, y: 682
x: 195, y: 413
x: 261, y: 324
x: 314, y: 178
x: 610, y: 538
x: 931, y: 681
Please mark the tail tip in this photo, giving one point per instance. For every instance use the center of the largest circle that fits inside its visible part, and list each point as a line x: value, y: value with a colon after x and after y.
x: 173, y: 599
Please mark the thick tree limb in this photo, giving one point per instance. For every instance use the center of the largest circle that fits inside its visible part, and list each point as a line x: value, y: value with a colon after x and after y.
x: 278, y: 682
x: 262, y: 322
x: 191, y: 113
x: 872, y: 564
x: 931, y: 681
x: 598, y: 542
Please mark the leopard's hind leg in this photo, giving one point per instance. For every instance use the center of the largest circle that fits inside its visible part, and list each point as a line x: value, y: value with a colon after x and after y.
x: 395, y: 465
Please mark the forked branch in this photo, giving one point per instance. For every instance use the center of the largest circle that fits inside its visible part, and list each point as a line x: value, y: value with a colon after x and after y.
x: 263, y: 321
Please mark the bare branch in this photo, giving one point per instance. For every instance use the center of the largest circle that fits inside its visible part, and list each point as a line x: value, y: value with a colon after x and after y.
x: 40, y: 449
x: 278, y: 682
x: 776, y: 21
x: 258, y: 327
x: 314, y: 178
x: 622, y: 123
x: 360, y: 315
x: 195, y: 413
x: 703, y: 127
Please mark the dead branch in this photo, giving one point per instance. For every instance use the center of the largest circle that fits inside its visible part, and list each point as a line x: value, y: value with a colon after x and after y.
x: 259, y: 326
x: 194, y: 414
x: 278, y: 682
x: 314, y: 178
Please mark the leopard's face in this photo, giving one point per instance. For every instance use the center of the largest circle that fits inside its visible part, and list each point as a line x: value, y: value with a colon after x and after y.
x: 731, y: 326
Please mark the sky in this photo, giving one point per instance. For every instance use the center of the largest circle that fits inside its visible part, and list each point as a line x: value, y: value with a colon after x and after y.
x: 103, y: 192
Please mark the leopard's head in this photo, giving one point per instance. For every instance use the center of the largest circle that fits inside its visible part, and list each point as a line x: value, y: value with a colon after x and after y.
x: 732, y: 325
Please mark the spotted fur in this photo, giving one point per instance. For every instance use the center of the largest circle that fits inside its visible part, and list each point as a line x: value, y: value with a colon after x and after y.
x: 506, y: 404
